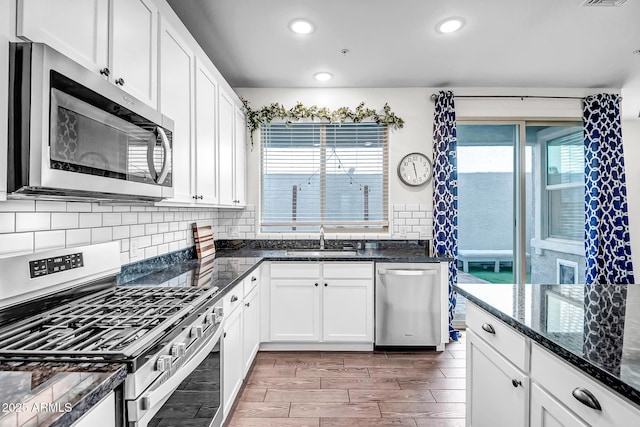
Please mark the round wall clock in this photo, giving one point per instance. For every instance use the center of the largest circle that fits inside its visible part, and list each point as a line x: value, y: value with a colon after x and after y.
x: 415, y: 169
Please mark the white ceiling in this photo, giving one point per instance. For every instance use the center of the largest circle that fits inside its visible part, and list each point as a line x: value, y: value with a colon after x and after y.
x: 393, y: 43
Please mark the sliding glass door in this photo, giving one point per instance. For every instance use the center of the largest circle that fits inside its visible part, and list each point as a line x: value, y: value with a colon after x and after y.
x: 521, y: 204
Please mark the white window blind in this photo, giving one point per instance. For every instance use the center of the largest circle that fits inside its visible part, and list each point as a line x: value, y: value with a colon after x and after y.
x: 316, y: 174
x: 565, y: 186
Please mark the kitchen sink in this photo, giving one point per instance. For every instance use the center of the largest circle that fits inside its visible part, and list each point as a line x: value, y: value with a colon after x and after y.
x: 322, y: 252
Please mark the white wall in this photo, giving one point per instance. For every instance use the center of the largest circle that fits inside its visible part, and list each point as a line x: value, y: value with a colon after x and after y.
x: 631, y: 146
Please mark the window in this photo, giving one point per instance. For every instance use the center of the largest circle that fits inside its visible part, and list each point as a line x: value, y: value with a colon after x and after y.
x: 565, y: 185
x: 315, y: 174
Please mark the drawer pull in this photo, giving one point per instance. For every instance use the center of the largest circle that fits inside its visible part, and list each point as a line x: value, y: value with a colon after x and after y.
x: 516, y: 383
x: 234, y: 298
x: 585, y: 397
x: 488, y: 328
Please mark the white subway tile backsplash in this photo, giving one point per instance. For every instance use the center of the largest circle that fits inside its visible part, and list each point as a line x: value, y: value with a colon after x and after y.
x: 157, y: 239
x: 412, y: 207
x: 124, y: 245
x: 412, y: 221
x: 78, y: 207
x: 418, y: 215
x: 45, y: 206
x: 144, y: 217
x: 144, y: 241
x: 78, y: 237
x: 90, y: 220
x: 96, y: 207
x: 168, y: 237
x: 163, y: 249
x: 150, y: 251
x: 404, y: 215
x: 169, y: 216
x: 163, y: 227
x: 111, y: 219
x: 32, y: 221
x: 157, y: 216
x: 174, y: 246
x: 15, y: 244
x: 174, y: 226
x: 45, y: 240
x: 101, y: 235
x: 129, y: 218
x: 121, y: 232
x: 124, y: 258
x: 18, y: 206
x: 151, y: 229
x: 7, y: 222
x: 64, y: 220
x: 122, y: 208
x: 137, y: 230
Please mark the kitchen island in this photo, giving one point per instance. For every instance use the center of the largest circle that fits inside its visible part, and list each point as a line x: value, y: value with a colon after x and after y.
x: 569, y: 352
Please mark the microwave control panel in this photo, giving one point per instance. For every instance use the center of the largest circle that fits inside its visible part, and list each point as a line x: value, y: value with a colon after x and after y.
x: 42, y: 267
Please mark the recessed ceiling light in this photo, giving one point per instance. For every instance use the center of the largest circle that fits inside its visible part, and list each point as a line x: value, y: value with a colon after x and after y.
x: 323, y: 76
x: 301, y: 26
x: 450, y: 25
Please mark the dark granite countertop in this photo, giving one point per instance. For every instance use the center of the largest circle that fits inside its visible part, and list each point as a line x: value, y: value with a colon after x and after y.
x: 54, y: 394
x: 596, y: 328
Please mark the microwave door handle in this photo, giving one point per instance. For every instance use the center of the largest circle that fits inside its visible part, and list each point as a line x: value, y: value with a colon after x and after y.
x: 159, y: 178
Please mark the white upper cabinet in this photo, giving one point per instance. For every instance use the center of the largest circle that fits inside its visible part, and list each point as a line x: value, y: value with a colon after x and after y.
x: 226, y: 148
x: 116, y: 38
x: 206, y: 161
x: 134, y: 48
x: 76, y: 28
x: 176, y: 88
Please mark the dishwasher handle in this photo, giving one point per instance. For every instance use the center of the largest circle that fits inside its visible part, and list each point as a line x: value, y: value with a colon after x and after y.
x: 406, y: 272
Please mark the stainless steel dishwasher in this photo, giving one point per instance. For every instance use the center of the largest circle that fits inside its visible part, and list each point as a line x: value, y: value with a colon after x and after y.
x: 408, y: 308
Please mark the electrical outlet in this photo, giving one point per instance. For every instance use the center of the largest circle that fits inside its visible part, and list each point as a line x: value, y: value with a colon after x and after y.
x: 233, y: 232
x: 402, y: 230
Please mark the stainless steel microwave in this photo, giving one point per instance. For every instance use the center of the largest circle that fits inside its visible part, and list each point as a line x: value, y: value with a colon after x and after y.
x: 74, y: 135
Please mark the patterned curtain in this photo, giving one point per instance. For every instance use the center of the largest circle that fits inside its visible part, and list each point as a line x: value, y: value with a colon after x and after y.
x: 607, y: 243
x: 445, y: 191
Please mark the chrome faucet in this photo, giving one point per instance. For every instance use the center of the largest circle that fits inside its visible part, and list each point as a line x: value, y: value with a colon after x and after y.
x: 321, y: 237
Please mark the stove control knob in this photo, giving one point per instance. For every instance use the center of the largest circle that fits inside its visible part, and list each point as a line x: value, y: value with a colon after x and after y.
x: 178, y: 350
x: 196, y: 331
x: 163, y: 363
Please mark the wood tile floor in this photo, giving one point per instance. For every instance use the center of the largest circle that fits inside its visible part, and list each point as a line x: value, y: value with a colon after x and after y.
x: 340, y: 389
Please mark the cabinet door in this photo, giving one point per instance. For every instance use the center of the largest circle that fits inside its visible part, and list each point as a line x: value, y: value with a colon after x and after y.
x: 251, y: 333
x: 347, y: 310
x: 176, y: 87
x: 240, y: 158
x: 295, y: 310
x: 232, y: 358
x: 546, y: 411
x: 102, y: 414
x: 206, y: 159
x: 226, y: 148
x: 497, y: 392
x: 134, y: 48
x: 77, y: 28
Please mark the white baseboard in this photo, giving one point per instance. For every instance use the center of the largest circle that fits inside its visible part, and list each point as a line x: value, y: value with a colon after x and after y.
x: 315, y: 346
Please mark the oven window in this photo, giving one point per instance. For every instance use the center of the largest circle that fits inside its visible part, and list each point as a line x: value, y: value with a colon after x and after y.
x: 196, y: 402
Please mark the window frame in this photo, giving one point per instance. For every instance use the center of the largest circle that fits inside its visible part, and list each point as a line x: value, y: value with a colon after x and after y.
x: 379, y: 227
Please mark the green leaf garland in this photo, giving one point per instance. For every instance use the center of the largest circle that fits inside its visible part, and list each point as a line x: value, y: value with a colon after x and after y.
x: 268, y: 113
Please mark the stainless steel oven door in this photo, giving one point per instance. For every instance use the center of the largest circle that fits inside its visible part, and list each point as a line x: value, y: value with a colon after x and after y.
x: 189, y: 388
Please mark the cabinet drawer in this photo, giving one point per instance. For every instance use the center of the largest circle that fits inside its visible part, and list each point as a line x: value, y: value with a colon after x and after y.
x: 348, y: 270
x: 561, y: 379
x: 233, y: 298
x: 251, y: 281
x: 504, y: 338
x: 295, y: 270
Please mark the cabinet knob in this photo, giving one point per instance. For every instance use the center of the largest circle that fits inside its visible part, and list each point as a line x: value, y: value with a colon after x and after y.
x: 326, y: 285
x: 516, y: 383
x: 234, y: 298
x: 585, y: 397
x: 487, y: 327
x: 105, y: 72
x: 253, y: 278
x: 120, y: 81
x: 247, y: 304
x: 316, y: 284
x: 224, y: 335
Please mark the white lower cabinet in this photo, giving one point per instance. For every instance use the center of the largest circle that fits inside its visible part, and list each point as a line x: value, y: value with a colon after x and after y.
x: 232, y: 364
x: 102, y: 414
x: 251, y: 332
x: 497, y: 391
x: 321, y: 302
x: 547, y: 411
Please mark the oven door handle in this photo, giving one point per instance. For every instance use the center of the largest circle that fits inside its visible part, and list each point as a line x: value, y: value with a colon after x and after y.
x: 166, y: 163
x: 160, y: 393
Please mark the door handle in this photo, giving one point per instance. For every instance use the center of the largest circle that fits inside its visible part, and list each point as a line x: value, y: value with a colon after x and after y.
x: 166, y: 161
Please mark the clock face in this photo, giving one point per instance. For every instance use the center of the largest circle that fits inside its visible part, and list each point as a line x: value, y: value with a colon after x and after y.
x: 415, y: 169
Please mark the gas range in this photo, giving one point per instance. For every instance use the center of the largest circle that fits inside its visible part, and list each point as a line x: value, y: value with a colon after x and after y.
x: 160, y: 333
